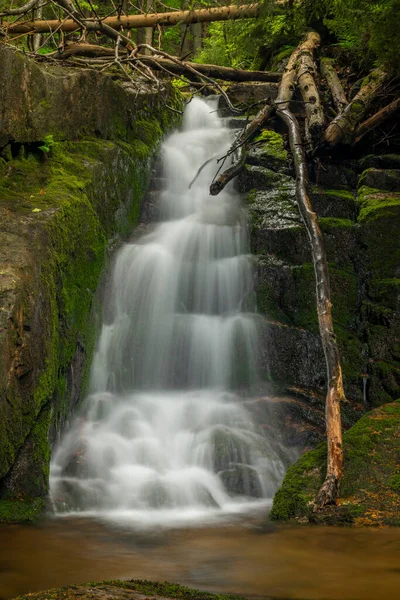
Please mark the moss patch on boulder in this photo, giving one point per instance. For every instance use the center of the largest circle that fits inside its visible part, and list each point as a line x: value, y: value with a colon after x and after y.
x: 126, y: 590
x: 369, y: 492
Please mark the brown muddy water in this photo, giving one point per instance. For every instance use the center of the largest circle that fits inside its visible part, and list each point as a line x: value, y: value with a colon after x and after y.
x: 251, y: 560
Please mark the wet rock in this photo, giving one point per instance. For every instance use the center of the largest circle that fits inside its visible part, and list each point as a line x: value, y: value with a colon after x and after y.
x: 339, y: 204
x: 268, y: 150
x: 382, y: 179
x: 275, y: 225
x: 242, y: 480
x: 261, y: 178
x: 292, y: 355
x: 243, y: 94
x: 335, y: 175
x: 229, y: 447
x: 384, y: 161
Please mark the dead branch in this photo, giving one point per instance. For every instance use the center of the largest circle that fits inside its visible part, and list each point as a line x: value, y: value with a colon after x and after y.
x: 215, y: 71
x: 222, y: 180
x: 335, y: 394
x: 335, y: 87
x: 188, y: 68
x: 241, y: 143
x: 205, y: 15
x: 376, y: 119
x: 341, y: 129
x: 173, y: 67
x: 21, y: 10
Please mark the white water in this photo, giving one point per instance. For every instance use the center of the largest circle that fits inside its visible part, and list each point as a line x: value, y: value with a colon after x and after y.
x: 165, y: 436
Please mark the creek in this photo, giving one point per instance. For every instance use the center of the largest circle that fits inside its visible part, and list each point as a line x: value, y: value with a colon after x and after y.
x: 308, y: 563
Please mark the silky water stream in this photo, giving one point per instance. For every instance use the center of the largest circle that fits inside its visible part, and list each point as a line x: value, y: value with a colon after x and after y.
x: 165, y: 435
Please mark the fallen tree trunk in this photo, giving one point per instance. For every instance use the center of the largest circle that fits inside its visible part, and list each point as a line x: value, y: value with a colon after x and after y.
x: 205, y: 15
x: 335, y: 87
x: 341, y: 129
x: 376, y: 119
x: 215, y: 71
x: 335, y: 394
x: 306, y: 74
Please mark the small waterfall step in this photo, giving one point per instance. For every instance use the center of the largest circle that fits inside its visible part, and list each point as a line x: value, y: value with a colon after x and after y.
x: 165, y: 434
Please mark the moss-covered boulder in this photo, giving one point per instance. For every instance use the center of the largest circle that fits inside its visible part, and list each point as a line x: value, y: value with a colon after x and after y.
x: 370, y: 488
x: 62, y: 205
x: 126, y: 590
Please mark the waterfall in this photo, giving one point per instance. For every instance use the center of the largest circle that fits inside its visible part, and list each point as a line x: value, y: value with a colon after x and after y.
x: 165, y: 432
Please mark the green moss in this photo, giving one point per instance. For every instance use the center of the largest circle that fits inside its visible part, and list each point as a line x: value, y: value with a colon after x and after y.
x: 376, y: 204
x: 147, y: 588
x: 21, y: 511
x: 274, y: 144
x: 295, y: 496
x: 86, y: 193
x: 394, y: 482
x: 331, y: 223
x: 371, y: 453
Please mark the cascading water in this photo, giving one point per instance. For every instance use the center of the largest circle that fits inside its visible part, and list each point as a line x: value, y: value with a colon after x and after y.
x: 165, y: 433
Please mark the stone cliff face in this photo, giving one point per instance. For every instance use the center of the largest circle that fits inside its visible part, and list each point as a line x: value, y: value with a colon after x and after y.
x: 61, y: 207
x: 358, y: 205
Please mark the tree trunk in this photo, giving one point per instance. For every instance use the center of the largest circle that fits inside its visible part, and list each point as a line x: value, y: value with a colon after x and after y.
x: 197, y: 39
x: 306, y: 74
x: 335, y: 394
x: 333, y: 81
x: 378, y: 118
x: 341, y: 129
x: 205, y: 15
x: 145, y: 34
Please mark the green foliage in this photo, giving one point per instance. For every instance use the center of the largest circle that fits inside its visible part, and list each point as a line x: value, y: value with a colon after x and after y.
x: 48, y: 144
x: 368, y: 29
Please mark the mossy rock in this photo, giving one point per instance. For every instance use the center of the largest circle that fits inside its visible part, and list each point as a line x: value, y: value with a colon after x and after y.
x: 369, y: 493
x: 268, y: 150
x: 338, y: 204
x: 383, y: 161
x: 382, y: 179
x: 126, y: 590
x: 379, y: 218
x: 58, y: 213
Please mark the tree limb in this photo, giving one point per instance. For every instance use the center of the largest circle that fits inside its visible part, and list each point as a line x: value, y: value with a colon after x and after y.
x: 306, y: 74
x: 21, y: 10
x: 376, y: 119
x: 222, y: 13
x: 335, y: 394
x: 333, y: 81
x: 341, y: 129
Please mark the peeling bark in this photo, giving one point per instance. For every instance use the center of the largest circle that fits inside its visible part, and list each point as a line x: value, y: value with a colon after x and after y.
x: 306, y: 80
x: 341, y: 129
x: 335, y: 87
